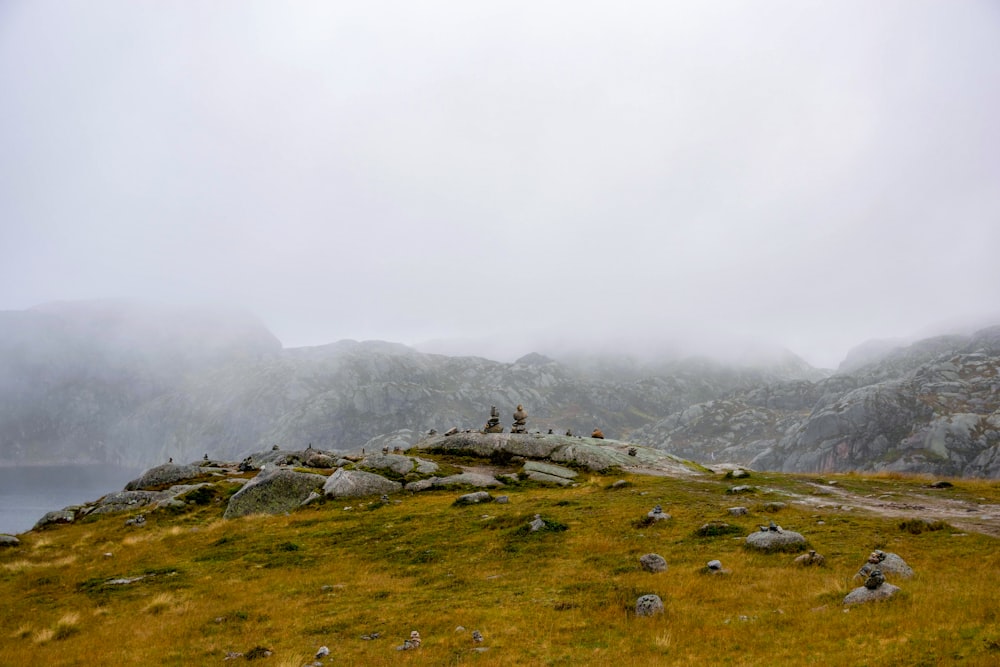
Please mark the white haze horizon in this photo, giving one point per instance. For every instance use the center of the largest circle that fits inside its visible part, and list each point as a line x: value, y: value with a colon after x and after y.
x: 504, y: 178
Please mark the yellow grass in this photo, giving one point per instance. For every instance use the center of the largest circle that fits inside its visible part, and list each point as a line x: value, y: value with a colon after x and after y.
x: 323, y: 576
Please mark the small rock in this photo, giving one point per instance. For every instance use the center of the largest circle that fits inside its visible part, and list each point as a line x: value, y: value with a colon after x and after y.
x: 322, y: 652
x: 537, y: 523
x: 738, y: 511
x: 477, y: 636
x: 811, y: 558
x: 502, y: 499
x: 474, y: 498
x: 619, y: 484
x: 411, y: 643
x: 743, y: 488
x: 657, y: 514
x: 653, y: 563
x: 648, y: 605
x: 714, y: 565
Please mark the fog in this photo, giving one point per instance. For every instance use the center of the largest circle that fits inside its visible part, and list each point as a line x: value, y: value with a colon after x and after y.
x: 495, y: 177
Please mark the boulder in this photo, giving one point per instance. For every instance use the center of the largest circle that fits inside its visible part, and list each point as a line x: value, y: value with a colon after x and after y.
x: 9, y: 541
x: 273, y: 492
x: 463, y: 479
x: 126, y: 501
x: 648, y: 605
x: 474, y: 498
x: 55, y: 517
x: 771, y: 541
x: 738, y: 511
x: 321, y: 461
x: 811, y: 558
x: 863, y: 594
x: 357, y: 483
x: 396, y: 463
x: 653, y: 563
x: 164, y: 475
x: 891, y: 564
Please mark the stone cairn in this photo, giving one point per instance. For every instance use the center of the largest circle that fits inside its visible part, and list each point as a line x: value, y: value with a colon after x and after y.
x: 657, y: 514
x: 493, y: 424
x: 520, y: 419
x: 871, y: 565
x: 411, y: 643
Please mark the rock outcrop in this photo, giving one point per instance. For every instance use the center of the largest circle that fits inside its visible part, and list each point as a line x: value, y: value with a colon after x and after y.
x: 273, y: 492
x: 164, y: 475
x: 357, y: 484
x: 595, y: 455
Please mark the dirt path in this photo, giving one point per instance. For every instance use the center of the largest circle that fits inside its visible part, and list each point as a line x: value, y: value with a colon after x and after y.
x: 962, y: 514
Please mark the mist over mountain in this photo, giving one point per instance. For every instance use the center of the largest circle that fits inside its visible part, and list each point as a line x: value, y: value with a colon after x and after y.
x: 136, y: 384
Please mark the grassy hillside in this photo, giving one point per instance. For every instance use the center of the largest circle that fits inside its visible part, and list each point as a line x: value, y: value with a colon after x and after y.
x: 330, y: 573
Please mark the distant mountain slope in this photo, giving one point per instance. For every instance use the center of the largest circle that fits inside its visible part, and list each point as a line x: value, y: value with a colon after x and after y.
x: 136, y: 385
x: 933, y: 406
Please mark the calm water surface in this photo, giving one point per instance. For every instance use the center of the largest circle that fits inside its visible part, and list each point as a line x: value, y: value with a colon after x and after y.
x: 28, y: 492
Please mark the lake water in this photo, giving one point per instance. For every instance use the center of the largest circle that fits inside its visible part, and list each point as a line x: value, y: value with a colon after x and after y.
x: 28, y: 492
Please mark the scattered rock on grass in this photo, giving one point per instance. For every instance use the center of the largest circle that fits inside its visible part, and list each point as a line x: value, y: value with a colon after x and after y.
x: 474, y: 498
x: 811, y: 558
x: 772, y: 541
x: 653, y: 563
x: 648, y: 605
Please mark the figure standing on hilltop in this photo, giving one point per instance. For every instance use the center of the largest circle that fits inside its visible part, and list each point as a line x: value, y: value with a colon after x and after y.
x: 520, y: 419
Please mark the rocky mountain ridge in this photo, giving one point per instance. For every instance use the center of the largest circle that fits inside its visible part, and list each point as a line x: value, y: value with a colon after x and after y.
x: 933, y: 406
x: 86, y: 384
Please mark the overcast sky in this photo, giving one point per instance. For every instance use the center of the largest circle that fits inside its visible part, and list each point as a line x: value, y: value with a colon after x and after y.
x: 811, y: 173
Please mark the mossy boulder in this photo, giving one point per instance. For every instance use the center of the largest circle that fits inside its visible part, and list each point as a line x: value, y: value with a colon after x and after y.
x: 164, y: 475
x: 357, y: 484
x: 273, y: 492
x: 772, y: 541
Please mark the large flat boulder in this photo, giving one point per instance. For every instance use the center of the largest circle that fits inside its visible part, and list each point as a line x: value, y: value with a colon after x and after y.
x: 599, y: 455
x: 358, y: 483
x: 771, y: 541
x: 273, y: 492
x: 861, y: 594
x: 164, y: 475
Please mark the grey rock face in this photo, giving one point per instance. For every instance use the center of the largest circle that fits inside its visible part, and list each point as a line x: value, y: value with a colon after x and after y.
x: 773, y: 540
x: 648, y: 605
x: 549, y: 470
x: 166, y: 474
x: 357, y: 483
x: 862, y: 594
x: 560, y: 449
x: 653, y: 563
x: 273, y: 492
x: 548, y: 479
